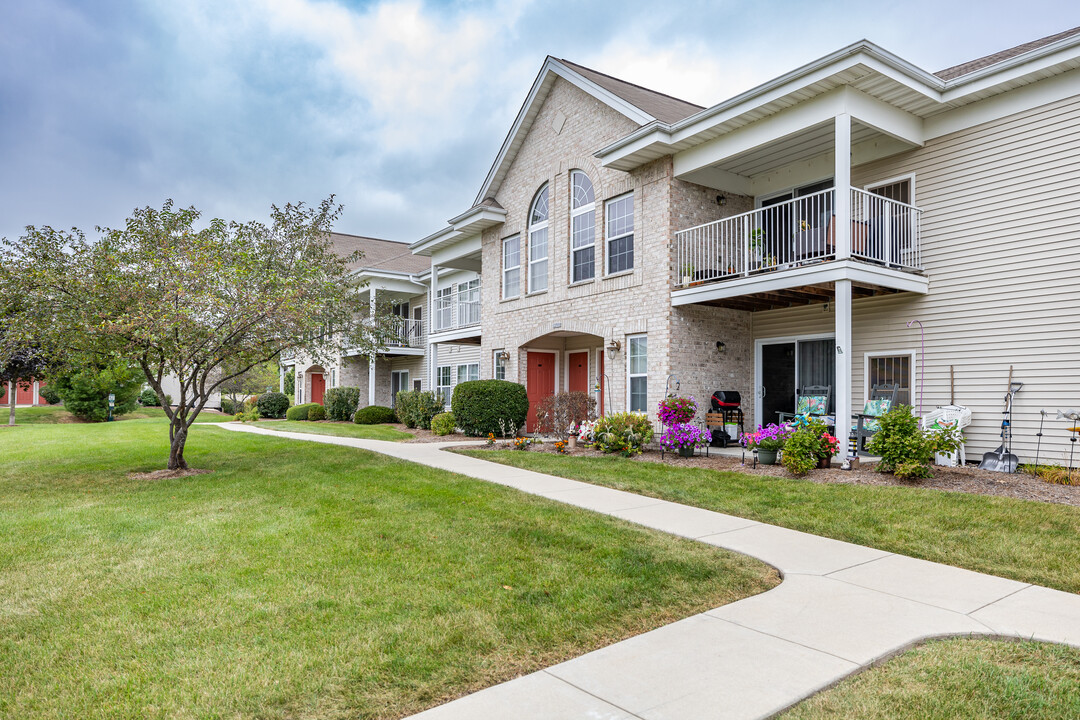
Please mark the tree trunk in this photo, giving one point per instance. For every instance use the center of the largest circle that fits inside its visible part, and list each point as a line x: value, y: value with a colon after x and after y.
x: 11, y: 405
x: 177, y: 439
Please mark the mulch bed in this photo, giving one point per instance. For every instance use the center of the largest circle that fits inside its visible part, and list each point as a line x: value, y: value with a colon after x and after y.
x: 967, y: 479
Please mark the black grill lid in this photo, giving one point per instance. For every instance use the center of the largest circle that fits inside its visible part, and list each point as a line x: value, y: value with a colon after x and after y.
x: 725, y: 398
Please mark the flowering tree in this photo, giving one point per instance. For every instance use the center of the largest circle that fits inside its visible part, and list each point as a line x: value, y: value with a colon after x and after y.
x: 204, y: 304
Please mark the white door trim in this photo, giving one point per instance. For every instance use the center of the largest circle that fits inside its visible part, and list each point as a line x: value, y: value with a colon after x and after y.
x: 759, y: 343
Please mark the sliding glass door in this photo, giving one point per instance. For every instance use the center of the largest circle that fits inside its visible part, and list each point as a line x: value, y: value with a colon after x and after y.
x: 785, y: 367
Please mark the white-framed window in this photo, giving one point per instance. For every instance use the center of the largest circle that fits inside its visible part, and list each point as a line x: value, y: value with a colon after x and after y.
x: 582, y: 227
x: 468, y: 300
x: 620, y: 233
x: 511, y: 267
x: 443, y: 383
x: 500, y: 365
x: 333, y: 377
x: 399, y: 382
x: 468, y: 372
x: 538, y: 242
x: 637, y: 369
x: 444, y: 308
x: 895, y: 368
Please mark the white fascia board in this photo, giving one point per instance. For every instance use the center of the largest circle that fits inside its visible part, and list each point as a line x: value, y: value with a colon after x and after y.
x: 460, y: 248
x: 809, y: 275
x: 473, y: 331
x: 397, y: 283
x: 477, y: 213
x: 537, y: 92
x: 425, y: 246
x: 1033, y: 61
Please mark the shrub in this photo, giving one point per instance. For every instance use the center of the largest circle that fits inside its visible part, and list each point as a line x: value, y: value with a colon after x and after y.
x: 443, y: 423
x: 85, y: 392
x: 808, y: 443
x: 51, y: 396
x: 562, y: 413
x: 228, y: 406
x: 316, y: 412
x: 341, y: 402
x: 625, y: 433
x: 148, y: 398
x: 374, y: 415
x: 272, y: 405
x: 490, y: 406
x: 415, y: 408
x: 251, y: 403
x: 905, y: 449
x: 298, y: 412
x: 290, y: 382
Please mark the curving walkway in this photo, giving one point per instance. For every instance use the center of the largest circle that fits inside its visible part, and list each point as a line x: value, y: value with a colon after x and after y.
x: 839, y: 609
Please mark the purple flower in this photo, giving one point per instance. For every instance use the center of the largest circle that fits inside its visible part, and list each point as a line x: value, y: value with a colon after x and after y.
x: 682, y: 435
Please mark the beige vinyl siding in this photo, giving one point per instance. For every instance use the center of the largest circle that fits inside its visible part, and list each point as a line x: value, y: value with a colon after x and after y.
x: 1001, y: 246
x: 455, y: 354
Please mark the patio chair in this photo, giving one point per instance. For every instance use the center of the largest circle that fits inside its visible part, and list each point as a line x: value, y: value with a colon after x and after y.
x: 812, y: 400
x: 863, y: 426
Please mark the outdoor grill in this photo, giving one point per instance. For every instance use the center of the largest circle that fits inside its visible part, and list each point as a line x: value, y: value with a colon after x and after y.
x: 726, y: 419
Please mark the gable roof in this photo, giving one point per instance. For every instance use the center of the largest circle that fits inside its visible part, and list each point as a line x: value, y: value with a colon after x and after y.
x: 378, y: 254
x: 986, y: 61
x: 664, y: 108
x: 639, y: 104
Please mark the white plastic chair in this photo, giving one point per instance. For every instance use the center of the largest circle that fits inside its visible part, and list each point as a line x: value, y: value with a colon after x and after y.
x: 949, y: 414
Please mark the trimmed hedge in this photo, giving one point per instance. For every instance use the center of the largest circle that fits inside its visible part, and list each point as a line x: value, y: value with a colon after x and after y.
x: 416, y: 408
x: 374, y: 415
x: 299, y: 412
x: 341, y: 402
x: 272, y: 405
x: 443, y: 423
x: 227, y: 406
x: 316, y: 412
x: 481, y: 407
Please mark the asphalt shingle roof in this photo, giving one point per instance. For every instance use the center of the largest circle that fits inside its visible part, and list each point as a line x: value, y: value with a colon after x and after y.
x: 664, y: 108
x: 979, y: 63
x: 379, y: 254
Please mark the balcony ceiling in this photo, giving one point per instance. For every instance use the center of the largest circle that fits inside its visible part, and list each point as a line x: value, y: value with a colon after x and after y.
x: 811, y: 142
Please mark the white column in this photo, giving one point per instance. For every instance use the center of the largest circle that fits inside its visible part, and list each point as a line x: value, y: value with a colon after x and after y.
x: 371, y: 358
x: 842, y: 185
x: 433, y: 351
x: 843, y: 363
x: 281, y: 378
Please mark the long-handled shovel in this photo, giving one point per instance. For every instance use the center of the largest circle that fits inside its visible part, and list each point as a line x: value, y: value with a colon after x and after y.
x: 1038, y: 444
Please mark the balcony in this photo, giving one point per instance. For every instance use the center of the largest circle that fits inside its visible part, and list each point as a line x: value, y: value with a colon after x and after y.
x: 406, y: 333
x: 785, y: 253
x: 457, y: 312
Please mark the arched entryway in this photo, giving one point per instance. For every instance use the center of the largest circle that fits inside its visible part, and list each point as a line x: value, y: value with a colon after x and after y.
x: 314, y: 384
x: 562, y: 361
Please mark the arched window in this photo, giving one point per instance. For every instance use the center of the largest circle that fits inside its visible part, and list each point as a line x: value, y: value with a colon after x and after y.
x: 582, y: 227
x: 538, y: 242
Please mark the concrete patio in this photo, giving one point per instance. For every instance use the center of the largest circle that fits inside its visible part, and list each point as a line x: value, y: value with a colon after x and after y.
x: 841, y: 608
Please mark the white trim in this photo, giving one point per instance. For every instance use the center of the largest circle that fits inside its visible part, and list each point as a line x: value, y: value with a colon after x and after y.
x: 630, y: 376
x: 759, y: 343
x: 912, y: 374
x: 535, y: 228
x: 502, y: 264
x: 910, y: 177
x: 576, y: 212
x: 406, y: 386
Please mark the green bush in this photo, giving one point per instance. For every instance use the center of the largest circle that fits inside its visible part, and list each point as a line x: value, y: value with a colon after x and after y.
x: 51, y: 396
x: 272, y: 405
x: 374, y: 415
x: 490, y: 406
x: 228, y: 406
x: 290, y: 382
x: 808, y: 443
x: 416, y: 408
x: 299, y: 412
x: 85, y: 392
x: 316, y: 412
x: 341, y: 402
x: 443, y: 423
x: 148, y: 398
x: 906, y: 450
x: 625, y: 433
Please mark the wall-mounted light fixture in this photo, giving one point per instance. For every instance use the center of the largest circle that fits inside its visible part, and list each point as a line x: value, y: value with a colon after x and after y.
x: 613, y: 347
x: 721, y: 200
x: 720, y: 346
x: 502, y: 356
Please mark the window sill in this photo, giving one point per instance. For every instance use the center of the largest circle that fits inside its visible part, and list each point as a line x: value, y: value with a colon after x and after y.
x: 579, y: 283
x: 534, y: 294
x: 621, y: 273
x: 510, y: 299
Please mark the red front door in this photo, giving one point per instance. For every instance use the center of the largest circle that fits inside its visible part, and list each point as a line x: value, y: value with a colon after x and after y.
x: 539, y: 383
x: 318, y: 387
x: 579, y: 372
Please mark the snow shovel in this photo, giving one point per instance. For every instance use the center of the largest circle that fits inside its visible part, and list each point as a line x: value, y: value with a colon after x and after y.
x: 1002, y: 460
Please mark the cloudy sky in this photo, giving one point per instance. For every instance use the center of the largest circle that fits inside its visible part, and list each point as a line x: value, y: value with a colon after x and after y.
x: 398, y: 107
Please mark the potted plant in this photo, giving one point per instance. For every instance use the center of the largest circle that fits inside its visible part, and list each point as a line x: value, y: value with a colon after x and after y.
x: 810, y: 445
x: 685, y: 438
x: 767, y: 441
x: 675, y: 409
x: 687, y: 273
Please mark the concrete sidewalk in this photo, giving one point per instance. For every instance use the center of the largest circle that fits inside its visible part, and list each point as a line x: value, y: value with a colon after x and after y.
x: 840, y: 608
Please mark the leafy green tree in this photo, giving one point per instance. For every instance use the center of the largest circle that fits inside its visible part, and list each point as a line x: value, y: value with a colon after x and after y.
x: 86, y: 391
x: 204, y: 304
x: 253, y: 381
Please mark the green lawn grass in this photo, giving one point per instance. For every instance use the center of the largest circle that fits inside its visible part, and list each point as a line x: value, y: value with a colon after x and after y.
x: 300, y: 580
x: 367, y: 432
x: 1023, y: 540
x: 56, y: 414
x: 959, y: 680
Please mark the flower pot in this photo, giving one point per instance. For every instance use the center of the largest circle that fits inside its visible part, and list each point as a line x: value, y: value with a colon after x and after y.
x: 573, y: 442
x: 686, y: 452
x: 824, y: 463
x: 766, y: 457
